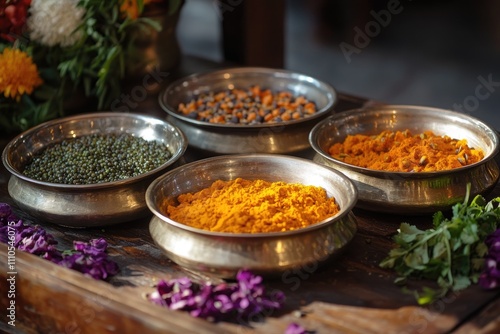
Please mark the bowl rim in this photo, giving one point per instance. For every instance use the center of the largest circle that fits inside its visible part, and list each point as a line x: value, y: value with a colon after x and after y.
x: 171, y: 111
x: 342, y: 214
x: 90, y: 115
x: 407, y: 109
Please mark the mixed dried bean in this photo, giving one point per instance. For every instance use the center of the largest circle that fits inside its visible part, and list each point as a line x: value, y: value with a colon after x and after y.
x: 248, y: 106
x: 97, y: 158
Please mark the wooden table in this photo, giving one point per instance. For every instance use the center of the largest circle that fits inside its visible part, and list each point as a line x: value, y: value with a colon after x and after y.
x: 351, y: 294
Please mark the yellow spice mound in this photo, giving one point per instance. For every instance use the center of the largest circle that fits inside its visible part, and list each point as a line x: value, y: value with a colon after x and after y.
x: 257, y: 206
x: 401, y: 151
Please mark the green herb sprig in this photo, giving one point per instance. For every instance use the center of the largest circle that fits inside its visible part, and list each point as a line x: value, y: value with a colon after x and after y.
x: 450, y: 253
x: 97, y: 62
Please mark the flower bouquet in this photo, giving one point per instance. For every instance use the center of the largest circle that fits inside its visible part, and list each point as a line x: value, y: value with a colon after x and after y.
x: 54, y: 50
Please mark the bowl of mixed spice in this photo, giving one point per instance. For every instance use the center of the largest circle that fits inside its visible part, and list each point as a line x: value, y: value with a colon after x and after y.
x: 268, y: 213
x: 90, y: 169
x: 248, y: 110
x: 409, y: 159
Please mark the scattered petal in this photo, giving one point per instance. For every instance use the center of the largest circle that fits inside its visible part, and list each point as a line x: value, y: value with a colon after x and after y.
x: 294, y: 328
x: 89, y: 258
x: 490, y: 277
x: 246, y: 297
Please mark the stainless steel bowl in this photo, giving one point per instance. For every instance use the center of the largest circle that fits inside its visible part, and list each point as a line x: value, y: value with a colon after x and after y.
x: 223, y: 254
x: 94, y: 204
x: 286, y: 137
x: 410, y: 193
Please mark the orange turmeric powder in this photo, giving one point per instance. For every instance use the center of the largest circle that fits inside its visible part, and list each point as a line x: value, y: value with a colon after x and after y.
x: 401, y: 151
x: 252, y: 206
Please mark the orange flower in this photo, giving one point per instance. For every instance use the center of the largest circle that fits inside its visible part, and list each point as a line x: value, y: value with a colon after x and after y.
x: 131, y: 8
x: 18, y: 74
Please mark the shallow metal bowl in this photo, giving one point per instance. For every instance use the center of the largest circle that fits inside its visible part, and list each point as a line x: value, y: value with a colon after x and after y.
x: 285, y: 137
x: 410, y: 193
x: 223, y: 254
x: 93, y: 204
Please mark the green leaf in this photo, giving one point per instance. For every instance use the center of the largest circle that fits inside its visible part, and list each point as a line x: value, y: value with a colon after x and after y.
x: 388, y: 262
x: 461, y: 282
x: 407, y: 233
x: 452, y: 253
x: 418, y: 257
x: 400, y: 280
x: 481, y: 249
x: 437, y: 219
x: 439, y: 251
x: 428, y: 296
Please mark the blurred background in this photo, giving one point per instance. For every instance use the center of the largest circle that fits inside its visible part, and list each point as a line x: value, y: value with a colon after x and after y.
x: 440, y: 53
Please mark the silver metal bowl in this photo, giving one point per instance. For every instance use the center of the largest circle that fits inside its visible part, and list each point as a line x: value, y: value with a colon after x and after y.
x: 223, y: 254
x: 410, y: 193
x: 93, y: 204
x: 282, y: 138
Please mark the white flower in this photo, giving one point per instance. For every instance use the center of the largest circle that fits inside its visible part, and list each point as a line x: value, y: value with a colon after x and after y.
x: 54, y: 22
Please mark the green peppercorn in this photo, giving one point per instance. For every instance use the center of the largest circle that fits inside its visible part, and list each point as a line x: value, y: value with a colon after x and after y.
x: 96, y: 159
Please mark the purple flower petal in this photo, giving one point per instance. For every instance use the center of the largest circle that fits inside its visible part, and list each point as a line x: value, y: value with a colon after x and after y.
x: 490, y: 277
x: 89, y: 258
x: 34, y: 240
x: 6, y: 214
x: 216, y: 302
x: 294, y: 328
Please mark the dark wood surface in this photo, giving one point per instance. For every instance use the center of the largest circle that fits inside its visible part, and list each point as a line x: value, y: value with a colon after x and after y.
x: 350, y: 294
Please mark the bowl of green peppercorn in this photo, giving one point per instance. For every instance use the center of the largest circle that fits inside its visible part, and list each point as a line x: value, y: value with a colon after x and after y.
x: 90, y: 169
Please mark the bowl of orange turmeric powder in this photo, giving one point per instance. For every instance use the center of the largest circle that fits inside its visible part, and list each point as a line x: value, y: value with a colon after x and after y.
x: 247, y: 109
x: 263, y: 212
x: 408, y: 159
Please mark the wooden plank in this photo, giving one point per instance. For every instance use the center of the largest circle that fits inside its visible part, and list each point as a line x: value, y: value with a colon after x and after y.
x: 52, y: 299
x: 485, y: 322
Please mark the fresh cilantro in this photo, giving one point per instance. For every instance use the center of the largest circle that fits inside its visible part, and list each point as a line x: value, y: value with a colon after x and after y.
x: 451, y: 253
